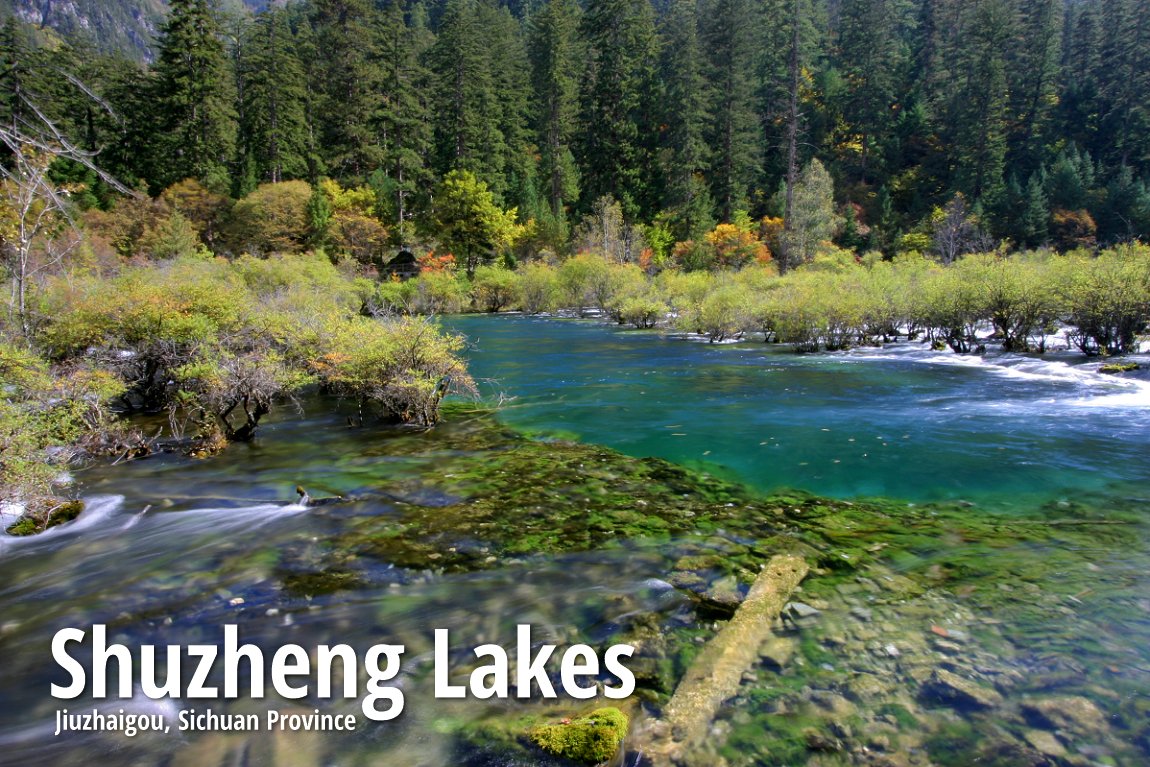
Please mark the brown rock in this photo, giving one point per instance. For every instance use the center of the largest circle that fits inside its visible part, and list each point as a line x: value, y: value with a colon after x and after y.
x: 960, y: 692
x: 1066, y: 712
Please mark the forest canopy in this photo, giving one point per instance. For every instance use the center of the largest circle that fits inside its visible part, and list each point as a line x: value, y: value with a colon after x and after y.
x: 1031, y: 116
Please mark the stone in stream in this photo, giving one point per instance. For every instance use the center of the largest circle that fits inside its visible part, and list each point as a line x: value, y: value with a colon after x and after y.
x: 1072, y: 713
x: 777, y: 651
x: 960, y: 692
x: 721, y: 599
x: 833, y: 704
x: 1044, y: 743
x: 799, y: 610
x: 591, y: 739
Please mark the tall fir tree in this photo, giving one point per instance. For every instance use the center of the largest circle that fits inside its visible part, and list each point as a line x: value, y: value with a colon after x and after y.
x: 467, y: 133
x: 403, y: 119
x: 1124, y: 80
x: 273, y: 95
x: 346, y: 88
x: 733, y: 130
x: 685, y: 153
x: 510, y: 147
x: 869, y: 56
x: 787, y: 48
x: 1077, y: 113
x: 977, y: 117
x: 194, y: 100
x: 553, y: 49
x: 1033, y: 71
x: 618, y: 100
x: 15, y: 55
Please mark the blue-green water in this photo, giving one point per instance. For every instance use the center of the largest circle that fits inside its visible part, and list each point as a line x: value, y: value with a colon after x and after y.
x: 901, y: 422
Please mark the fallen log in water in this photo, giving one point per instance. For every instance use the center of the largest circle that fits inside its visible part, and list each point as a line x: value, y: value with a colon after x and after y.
x: 717, y: 671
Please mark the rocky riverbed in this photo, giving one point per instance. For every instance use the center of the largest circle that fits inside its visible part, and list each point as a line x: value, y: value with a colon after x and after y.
x: 923, y: 635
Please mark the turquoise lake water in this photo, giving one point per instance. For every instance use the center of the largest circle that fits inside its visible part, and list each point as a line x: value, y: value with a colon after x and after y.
x: 902, y: 422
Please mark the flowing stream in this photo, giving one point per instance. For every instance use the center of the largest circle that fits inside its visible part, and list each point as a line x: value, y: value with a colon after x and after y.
x: 171, y: 548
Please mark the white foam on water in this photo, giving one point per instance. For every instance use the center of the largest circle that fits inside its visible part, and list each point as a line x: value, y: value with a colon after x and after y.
x: 97, y: 509
x: 1097, y: 390
x: 104, y: 515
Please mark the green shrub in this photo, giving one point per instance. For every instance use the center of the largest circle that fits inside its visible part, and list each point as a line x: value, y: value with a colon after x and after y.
x: 540, y: 284
x: 494, y: 288
x: 400, y: 367
x: 1107, y: 299
x: 642, y: 311
x: 272, y: 219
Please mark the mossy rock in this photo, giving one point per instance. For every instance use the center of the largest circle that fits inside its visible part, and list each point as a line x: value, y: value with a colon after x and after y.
x: 590, y: 739
x: 31, y: 524
x: 1119, y: 367
x: 321, y: 583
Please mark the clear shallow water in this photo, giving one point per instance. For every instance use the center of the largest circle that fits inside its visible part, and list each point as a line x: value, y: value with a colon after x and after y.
x: 1005, y: 432
x: 901, y: 422
x: 170, y: 549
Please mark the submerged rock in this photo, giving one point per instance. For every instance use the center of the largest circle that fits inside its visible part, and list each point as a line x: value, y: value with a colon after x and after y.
x: 800, y: 610
x: 777, y: 652
x: 959, y: 692
x: 591, y: 739
x: 30, y: 524
x: 1044, y: 743
x: 1068, y: 712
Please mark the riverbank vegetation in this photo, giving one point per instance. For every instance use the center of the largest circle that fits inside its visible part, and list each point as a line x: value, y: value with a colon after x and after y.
x: 836, y: 302
x: 215, y: 345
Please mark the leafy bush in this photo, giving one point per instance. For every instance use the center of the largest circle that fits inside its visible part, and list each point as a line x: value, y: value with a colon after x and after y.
x: 41, y: 409
x: 494, y: 288
x: 402, y: 367
x: 1107, y: 298
x: 540, y: 288
x: 643, y: 311
x: 440, y: 293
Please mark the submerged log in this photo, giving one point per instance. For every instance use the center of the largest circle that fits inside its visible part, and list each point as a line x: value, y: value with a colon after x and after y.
x: 717, y: 671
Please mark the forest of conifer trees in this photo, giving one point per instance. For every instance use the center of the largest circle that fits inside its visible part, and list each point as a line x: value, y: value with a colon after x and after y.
x: 1027, y: 118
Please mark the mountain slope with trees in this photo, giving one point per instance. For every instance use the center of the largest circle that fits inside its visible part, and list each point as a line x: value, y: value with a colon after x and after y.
x: 1032, y: 115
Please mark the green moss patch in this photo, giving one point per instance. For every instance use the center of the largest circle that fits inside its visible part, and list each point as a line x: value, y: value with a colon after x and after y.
x: 31, y: 524
x: 591, y: 739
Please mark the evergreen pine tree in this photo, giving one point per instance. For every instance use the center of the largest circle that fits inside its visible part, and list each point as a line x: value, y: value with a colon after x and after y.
x: 617, y: 130
x: 346, y: 88
x: 15, y: 61
x: 194, y: 100
x: 402, y: 121
x: 1124, y: 79
x: 510, y: 155
x: 686, y: 103
x: 553, y: 49
x: 869, y: 57
x: 978, y: 113
x: 1034, y: 214
x: 467, y: 133
x: 733, y: 131
x: 273, y: 126
x: 1033, y: 75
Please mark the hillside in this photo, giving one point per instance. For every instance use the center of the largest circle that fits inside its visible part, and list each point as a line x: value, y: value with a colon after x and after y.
x: 128, y: 27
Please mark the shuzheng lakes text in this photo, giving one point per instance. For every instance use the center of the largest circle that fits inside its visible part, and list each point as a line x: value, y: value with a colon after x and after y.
x: 296, y: 673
